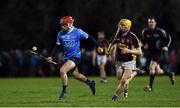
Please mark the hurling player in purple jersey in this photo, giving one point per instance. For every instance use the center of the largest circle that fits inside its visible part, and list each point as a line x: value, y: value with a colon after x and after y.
x: 101, y: 58
x: 126, y: 48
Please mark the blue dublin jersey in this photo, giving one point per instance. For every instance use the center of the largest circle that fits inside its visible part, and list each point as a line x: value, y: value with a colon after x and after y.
x: 71, y: 42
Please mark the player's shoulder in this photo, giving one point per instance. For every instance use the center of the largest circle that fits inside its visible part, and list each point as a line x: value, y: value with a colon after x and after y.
x: 145, y: 30
x: 61, y: 33
x: 135, y: 38
x: 77, y: 30
x: 160, y: 30
x: 133, y: 35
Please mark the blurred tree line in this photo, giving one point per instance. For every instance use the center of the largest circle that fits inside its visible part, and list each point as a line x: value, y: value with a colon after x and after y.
x: 24, y: 23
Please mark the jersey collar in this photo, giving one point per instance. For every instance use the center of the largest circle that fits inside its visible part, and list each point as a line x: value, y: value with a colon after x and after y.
x: 71, y: 29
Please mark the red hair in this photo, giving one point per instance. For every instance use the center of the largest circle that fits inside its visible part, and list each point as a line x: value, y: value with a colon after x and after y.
x: 66, y: 20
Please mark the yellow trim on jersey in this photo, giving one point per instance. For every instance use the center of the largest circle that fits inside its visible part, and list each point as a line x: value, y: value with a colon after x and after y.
x: 139, y: 43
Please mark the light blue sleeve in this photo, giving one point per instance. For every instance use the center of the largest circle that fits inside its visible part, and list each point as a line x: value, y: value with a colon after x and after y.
x: 82, y: 34
x: 58, y: 42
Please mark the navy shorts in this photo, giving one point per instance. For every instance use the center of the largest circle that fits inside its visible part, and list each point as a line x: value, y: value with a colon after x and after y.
x: 76, y: 60
x: 155, y: 58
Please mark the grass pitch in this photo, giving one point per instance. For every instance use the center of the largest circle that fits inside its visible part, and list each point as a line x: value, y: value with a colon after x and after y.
x: 45, y: 92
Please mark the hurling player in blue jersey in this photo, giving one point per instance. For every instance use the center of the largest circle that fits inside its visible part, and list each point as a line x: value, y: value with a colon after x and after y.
x: 69, y: 38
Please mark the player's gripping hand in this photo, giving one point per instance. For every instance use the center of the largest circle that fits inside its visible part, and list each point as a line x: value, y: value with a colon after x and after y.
x: 49, y: 59
x: 146, y: 46
x: 125, y: 51
x: 100, y: 50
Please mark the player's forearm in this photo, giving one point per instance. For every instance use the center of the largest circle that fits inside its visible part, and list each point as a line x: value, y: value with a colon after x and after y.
x: 91, y: 38
x: 54, y: 51
x: 111, y: 49
x: 136, y: 51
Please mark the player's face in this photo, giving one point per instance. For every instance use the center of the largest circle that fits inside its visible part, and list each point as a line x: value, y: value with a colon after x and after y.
x: 101, y: 35
x: 65, y: 27
x: 151, y: 23
x: 123, y: 28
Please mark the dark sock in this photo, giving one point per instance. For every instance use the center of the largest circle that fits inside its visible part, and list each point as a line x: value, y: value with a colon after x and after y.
x: 64, y: 90
x: 125, y: 91
x: 170, y: 74
x: 87, y: 81
x: 151, y: 80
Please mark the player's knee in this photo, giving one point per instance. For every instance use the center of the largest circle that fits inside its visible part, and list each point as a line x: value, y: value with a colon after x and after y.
x: 152, y: 72
x: 62, y: 71
x: 123, y: 81
x: 119, y: 77
x: 151, y: 69
x: 160, y: 71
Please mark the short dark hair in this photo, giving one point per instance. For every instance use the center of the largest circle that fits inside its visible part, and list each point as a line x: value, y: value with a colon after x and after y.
x: 151, y: 17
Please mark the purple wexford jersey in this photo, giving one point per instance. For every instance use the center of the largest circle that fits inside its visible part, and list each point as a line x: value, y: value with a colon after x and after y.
x: 129, y: 41
x: 71, y: 42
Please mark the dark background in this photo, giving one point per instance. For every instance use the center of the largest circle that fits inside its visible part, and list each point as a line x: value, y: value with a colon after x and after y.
x: 27, y: 23
x: 24, y: 23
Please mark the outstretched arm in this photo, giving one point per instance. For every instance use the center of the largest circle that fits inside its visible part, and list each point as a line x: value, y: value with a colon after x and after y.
x: 91, y: 38
x: 54, y: 52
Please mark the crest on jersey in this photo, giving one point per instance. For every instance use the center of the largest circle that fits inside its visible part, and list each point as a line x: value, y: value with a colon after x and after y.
x: 156, y: 35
